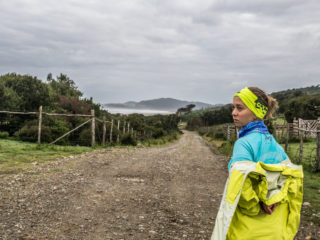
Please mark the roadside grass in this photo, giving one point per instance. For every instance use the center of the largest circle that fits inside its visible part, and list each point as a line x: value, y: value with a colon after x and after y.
x: 182, y: 125
x: 17, y: 156
x: 308, y: 154
x: 311, y: 185
x: 279, y: 120
x: 311, y: 194
x: 162, y: 141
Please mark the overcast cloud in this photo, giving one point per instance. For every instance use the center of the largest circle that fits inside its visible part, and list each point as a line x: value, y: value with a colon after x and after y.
x: 199, y: 50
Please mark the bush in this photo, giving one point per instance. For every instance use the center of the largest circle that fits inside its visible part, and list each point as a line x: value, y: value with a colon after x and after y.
x: 58, y: 128
x: 173, y: 136
x: 30, y: 134
x: 220, y: 135
x: 4, y: 134
x: 202, y: 131
x: 227, y: 147
x: 158, y: 132
x: 85, y: 137
x: 127, y: 139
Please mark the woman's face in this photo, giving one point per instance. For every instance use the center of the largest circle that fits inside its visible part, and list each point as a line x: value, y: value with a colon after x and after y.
x: 241, y: 114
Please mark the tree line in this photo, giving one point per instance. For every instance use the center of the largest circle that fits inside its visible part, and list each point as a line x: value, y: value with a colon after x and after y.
x: 26, y: 93
x: 293, y: 103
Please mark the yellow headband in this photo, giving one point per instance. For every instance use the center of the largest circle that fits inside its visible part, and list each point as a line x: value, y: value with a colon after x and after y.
x: 252, y: 102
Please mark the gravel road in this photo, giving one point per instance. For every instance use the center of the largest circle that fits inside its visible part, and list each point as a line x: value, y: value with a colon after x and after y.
x: 169, y: 192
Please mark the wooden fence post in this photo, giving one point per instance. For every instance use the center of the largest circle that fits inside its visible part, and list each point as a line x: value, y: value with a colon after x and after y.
x: 40, y: 123
x: 295, y: 126
x: 118, y: 137
x: 124, y: 127
x: 104, y: 131
x: 275, y: 131
x: 301, y: 146
x: 111, y: 128
x: 318, y: 152
x: 287, y: 137
x: 93, y: 135
x: 228, y: 132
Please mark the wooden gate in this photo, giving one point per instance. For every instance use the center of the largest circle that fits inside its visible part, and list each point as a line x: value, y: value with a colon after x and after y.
x: 309, y: 126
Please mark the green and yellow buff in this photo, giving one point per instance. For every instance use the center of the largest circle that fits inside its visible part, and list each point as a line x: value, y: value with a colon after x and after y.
x: 252, y: 102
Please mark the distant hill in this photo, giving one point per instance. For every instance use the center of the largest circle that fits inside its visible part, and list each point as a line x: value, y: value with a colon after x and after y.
x: 163, y: 104
x: 294, y: 92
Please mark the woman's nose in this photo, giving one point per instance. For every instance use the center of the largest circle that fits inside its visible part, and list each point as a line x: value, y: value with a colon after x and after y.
x: 234, y: 112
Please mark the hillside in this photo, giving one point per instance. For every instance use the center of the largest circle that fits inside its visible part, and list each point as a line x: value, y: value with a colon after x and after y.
x: 167, y: 104
x: 312, y: 90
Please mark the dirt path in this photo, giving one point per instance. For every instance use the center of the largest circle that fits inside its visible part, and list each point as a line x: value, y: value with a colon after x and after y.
x: 171, y: 192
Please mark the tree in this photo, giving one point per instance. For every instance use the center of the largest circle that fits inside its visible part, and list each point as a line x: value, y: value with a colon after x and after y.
x: 306, y: 107
x: 32, y: 92
x: 185, y: 110
x: 63, y: 86
x: 9, y: 99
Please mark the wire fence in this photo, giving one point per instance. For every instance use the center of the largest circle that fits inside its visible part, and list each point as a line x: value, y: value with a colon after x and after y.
x: 86, y: 129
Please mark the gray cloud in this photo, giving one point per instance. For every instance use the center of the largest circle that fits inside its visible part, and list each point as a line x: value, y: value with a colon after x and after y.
x: 136, y: 49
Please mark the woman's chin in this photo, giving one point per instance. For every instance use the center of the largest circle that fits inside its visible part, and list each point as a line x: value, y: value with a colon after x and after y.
x: 238, y: 124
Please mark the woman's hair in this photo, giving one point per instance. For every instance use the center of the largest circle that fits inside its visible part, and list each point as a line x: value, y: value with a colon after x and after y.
x: 269, y: 101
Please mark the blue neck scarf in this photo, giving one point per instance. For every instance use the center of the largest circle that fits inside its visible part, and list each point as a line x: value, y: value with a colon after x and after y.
x: 256, y: 126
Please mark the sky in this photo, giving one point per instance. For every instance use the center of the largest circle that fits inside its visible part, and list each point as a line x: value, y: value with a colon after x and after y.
x: 133, y: 50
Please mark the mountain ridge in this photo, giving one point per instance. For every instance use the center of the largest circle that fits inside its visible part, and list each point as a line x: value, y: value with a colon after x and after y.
x: 164, y: 104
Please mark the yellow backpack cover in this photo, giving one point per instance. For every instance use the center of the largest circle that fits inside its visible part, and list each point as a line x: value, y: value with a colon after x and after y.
x: 249, y: 184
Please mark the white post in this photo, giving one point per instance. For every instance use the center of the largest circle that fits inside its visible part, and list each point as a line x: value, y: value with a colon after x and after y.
x: 40, y: 123
x: 111, y: 130
x: 93, y: 135
x: 118, y: 137
x: 104, y: 131
x: 124, y: 127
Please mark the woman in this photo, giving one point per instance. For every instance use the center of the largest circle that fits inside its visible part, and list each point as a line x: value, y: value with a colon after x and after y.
x: 263, y: 193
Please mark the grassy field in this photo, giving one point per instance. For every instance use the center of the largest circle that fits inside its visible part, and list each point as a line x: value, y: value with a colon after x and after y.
x: 311, y: 193
x: 311, y: 178
x: 18, y: 156
x: 308, y: 156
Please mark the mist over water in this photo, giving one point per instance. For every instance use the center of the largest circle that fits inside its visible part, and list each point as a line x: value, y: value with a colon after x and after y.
x: 140, y: 111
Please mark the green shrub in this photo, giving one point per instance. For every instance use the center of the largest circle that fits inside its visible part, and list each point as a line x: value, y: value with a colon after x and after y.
x: 127, y: 139
x: 220, y: 135
x: 227, y: 147
x: 4, y: 134
x: 172, y: 136
x: 30, y: 134
x: 158, y: 132
x: 85, y: 137
x: 202, y: 131
x: 58, y: 128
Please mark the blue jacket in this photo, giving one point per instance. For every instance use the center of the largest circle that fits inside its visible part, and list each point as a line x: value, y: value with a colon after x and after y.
x: 257, y: 147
